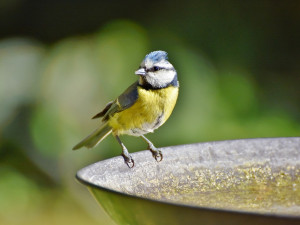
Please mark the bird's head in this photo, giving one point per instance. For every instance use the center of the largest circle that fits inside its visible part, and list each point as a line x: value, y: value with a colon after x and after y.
x: 156, y: 71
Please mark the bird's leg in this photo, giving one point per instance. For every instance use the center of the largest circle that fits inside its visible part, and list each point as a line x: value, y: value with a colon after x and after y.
x: 127, y: 157
x: 157, y: 154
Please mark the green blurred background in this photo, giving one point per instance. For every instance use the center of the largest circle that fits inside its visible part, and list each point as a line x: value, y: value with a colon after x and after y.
x: 61, y: 61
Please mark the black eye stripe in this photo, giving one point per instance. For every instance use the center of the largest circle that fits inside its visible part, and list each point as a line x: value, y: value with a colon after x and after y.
x: 154, y: 68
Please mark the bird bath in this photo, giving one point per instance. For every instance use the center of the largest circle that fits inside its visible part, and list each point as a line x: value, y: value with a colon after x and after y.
x: 250, y: 181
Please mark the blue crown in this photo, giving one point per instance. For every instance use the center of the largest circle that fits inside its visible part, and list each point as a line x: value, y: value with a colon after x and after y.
x: 156, y: 56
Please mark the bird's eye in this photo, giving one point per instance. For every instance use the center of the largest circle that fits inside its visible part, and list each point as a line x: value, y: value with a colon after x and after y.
x: 155, y: 68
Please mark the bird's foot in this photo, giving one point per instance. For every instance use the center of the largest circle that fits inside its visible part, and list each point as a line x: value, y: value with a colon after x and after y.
x: 156, y: 153
x: 128, y: 160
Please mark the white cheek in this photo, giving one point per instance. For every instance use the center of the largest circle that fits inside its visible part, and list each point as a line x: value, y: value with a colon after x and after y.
x: 160, y: 79
x: 151, y: 79
x: 167, y: 76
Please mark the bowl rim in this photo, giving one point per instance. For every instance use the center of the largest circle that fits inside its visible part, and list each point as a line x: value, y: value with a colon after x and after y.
x: 233, y: 211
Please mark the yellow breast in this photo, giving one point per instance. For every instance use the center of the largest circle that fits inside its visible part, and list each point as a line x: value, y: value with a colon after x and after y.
x: 150, y: 111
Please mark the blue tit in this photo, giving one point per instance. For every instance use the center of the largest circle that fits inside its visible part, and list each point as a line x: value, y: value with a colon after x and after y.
x: 143, y: 107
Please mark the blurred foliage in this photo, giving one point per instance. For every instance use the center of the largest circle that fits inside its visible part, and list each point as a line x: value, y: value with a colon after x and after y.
x: 49, y: 92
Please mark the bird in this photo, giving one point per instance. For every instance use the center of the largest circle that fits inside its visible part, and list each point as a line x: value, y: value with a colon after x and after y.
x: 142, y: 108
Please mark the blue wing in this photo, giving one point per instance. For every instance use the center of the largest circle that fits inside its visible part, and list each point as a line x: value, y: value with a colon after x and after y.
x: 124, y: 101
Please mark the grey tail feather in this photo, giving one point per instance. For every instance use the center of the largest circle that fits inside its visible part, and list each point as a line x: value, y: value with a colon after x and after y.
x: 95, y: 137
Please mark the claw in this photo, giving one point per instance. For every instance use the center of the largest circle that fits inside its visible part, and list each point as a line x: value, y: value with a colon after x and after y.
x: 130, y: 164
x: 157, y: 154
x: 128, y: 160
